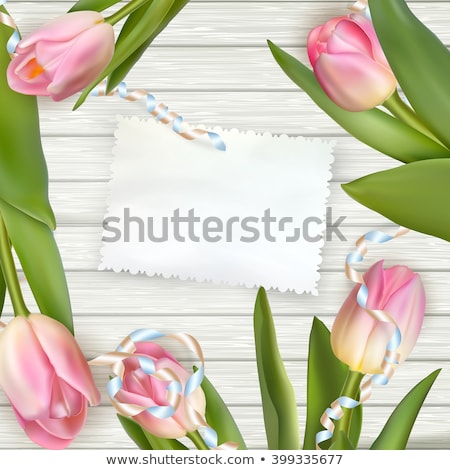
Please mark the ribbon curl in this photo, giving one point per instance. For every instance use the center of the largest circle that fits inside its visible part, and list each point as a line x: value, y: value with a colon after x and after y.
x: 161, y: 113
x: 174, y: 392
x: 391, y: 358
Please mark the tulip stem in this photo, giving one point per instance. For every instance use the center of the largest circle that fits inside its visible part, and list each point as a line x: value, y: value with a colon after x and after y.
x: 350, y: 390
x: 198, y: 441
x: 10, y: 274
x: 405, y: 113
x: 125, y: 11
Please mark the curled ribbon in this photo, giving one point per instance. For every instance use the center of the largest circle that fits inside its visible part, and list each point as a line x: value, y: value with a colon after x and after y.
x: 161, y: 113
x: 8, y: 21
x: 391, y: 358
x: 174, y: 389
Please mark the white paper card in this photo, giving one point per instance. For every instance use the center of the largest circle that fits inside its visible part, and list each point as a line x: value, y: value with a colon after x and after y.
x: 253, y: 215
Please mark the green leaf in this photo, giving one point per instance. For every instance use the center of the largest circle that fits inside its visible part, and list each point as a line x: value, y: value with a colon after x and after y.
x: 219, y: 417
x: 135, y: 432
x: 342, y: 442
x: 373, y: 127
x: 415, y: 196
x: 128, y: 43
x: 122, y: 70
x: 2, y: 292
x: 277, y: 393
x: 419, y: 60
x: 23, y: 170
x: 398, y: 427
x: 326, y: 377
x: 93, y: 5
x: 35, y: 245
x: 160, y: 443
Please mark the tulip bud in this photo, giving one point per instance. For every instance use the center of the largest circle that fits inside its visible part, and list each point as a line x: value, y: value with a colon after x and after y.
x: 62, y: 57
x: 349, y: 63
x: 46, y: 378
x: 358, y: 339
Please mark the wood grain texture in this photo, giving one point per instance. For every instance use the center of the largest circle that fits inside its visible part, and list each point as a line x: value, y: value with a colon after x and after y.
x: 212, y: 66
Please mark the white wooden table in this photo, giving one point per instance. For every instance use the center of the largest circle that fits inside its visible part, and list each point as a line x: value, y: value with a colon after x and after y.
x: 212, y: 66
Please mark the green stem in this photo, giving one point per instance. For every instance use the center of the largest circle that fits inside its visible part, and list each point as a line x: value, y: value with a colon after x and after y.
x: 125, y: 11
x: 351, y: 390
x: 198, y: 441
x: 10, y: 273
x: 406, y: 114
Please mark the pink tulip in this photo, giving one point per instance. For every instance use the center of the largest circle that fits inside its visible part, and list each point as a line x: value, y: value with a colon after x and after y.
x: 62, y: 57
x: 358, y: 339
x: 349, y: 63
x: 143, y: 389
x: 46, y: 378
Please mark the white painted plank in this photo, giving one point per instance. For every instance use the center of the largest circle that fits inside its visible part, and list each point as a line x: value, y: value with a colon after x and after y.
x: 103, y: 430
x: 229, y: 336
x: 239, y: 23
x: 110, y: 294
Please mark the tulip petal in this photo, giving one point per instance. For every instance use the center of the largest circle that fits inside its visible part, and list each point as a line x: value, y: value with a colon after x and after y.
x: 62, y: 28
x: 40, y: 436
x: 315, y: 48
x: 26, y: 375
x: 407, y: 307
x: 153, y: 350
x: 167, y: 428
x: 65, y: 401
x: 349, y: 37
x: 65, y: 428
x: 85, y: 60
x: 19, y: 78
x: 353, y: 81
x: 50, y: 54
x: 374, y: 278
x: 65, y: 355
x: 350, y: 331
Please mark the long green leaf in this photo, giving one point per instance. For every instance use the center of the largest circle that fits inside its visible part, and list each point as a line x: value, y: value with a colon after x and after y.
x: 219, y: 417
x: 35, y: 245
x: 127, y: 44
x: 160, y: 443
x: 23, y: 170
x: 135, y: 432
x: 398, y: 427
x: 2, y: 292
x: 122, y: 70
x: 415, y: 196
x: 419, y: 60
x: 326, y: 377
x: 373, y: 127
x: 93, y: 5
x: 278, y: 398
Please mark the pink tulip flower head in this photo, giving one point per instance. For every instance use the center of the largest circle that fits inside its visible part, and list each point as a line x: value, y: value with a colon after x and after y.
x: 62, y: 57
x: 153, y: 388
x: 46, y: 378
x: 349, y: 63
x: 358, y: 339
